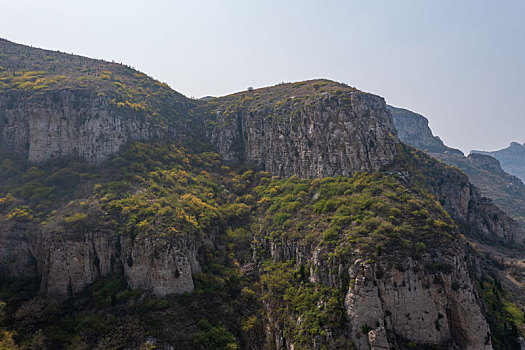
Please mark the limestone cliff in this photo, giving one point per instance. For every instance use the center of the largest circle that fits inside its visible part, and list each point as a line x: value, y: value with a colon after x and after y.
x: 476, y: 214
x: 412, y: 304
x: 392, y: 301
x: 56, y: 105
x: 69, y: 123
x: 408, y: 290
x: 369, y: 258
x: 298, y: 129
x: 65, y: 263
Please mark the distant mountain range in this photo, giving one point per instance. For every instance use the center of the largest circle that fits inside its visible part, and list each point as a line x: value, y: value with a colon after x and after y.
x: 503, y: 183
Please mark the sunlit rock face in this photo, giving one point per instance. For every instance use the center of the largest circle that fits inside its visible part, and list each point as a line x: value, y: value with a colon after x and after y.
x: 69, y: 123
x: 328, y: 136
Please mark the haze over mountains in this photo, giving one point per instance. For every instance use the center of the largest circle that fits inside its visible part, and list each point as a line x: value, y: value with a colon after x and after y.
x: 286, y: 217
x: 484, y: 171
x: 512, y: 159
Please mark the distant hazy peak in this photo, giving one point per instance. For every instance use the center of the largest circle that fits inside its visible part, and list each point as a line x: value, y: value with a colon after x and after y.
x: 512, y: 158
x: 413, y: 129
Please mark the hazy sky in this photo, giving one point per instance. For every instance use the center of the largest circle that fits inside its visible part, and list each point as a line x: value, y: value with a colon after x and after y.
x: 459, y: 63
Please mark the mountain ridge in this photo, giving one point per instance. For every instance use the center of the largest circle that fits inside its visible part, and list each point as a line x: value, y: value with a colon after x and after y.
x: 485, y: 172
x: 283, y: 217
x: 512, y: 159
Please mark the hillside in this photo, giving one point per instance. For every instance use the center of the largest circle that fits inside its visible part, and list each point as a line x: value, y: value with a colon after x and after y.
x: 288, y: 217
x: 485, y: 172
x: 56, y: 105
x: 157, y: 222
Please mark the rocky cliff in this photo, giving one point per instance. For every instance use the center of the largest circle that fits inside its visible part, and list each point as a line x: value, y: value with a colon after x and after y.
x: 413, y: 129
x: 416, y: 295
x: 476, y: 214
x: 66, y: 262
x: 69, y: 123
x: 311, y: 129
x: 507, y: 191
x: 313, y: 227
x: 512, y: 159
x: 55, y: 105
x: 414, y: 305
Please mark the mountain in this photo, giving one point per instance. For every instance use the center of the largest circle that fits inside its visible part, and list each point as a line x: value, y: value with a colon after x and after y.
x: 55, y: 105
x: 484, y: 171
x: 512, y: 159
x: 287, y: 217
x: 413, y: 129
x: 312, y: 129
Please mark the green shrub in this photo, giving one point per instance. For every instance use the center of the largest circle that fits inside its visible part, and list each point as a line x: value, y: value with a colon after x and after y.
x: 214, y: 337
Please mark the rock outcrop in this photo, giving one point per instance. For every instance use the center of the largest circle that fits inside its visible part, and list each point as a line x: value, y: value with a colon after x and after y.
x: 66, y: 263
x: 415, y: 305
x: 488, y: 163
x: 164, y: 267
x: 69, y: 123
x: 56, y: 105
x: 476, y: 214
x: 428, y: 302
x: 17, y: 260
x: 512, y: 159
x: 463, y: 201
x: 413, y: 129
x: 329, y: 134
x: 312, y: 129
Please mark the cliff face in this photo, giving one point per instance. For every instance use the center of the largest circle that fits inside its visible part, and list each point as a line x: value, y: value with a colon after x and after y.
x: 389, y: 306
x: 512, y: 159
x: 488, y: 163
x: 420, y: 293
x: 477, y: 215
x: 413, y: 129
x: 328, y: 134
x: 69, y: 123
x: 65, y: 264
x: 484, y: 172
x: 415, y: 305
x: 56, y: 105
x: 368, y: 259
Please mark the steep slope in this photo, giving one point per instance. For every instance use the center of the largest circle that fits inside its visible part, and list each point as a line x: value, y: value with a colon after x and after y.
x: 413, y: 129
x: 507, y: 191
x: 55, y: 105
x: 390, y: 300
x: 169, y: 222
x: 311, y: 129
x: 512, y: 159
x: 257, y: 247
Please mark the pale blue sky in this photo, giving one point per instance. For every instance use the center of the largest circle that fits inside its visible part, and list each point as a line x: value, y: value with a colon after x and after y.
x: 460, y: 63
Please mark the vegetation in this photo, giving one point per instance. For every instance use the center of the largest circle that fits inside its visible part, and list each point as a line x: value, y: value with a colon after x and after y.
x: 51, y: 73
x: 255, y: 234
x: 165, y: 192
x: 280, y: 101
x: 506, y: 320
x: 369, y: 213
x: 304, y: 310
